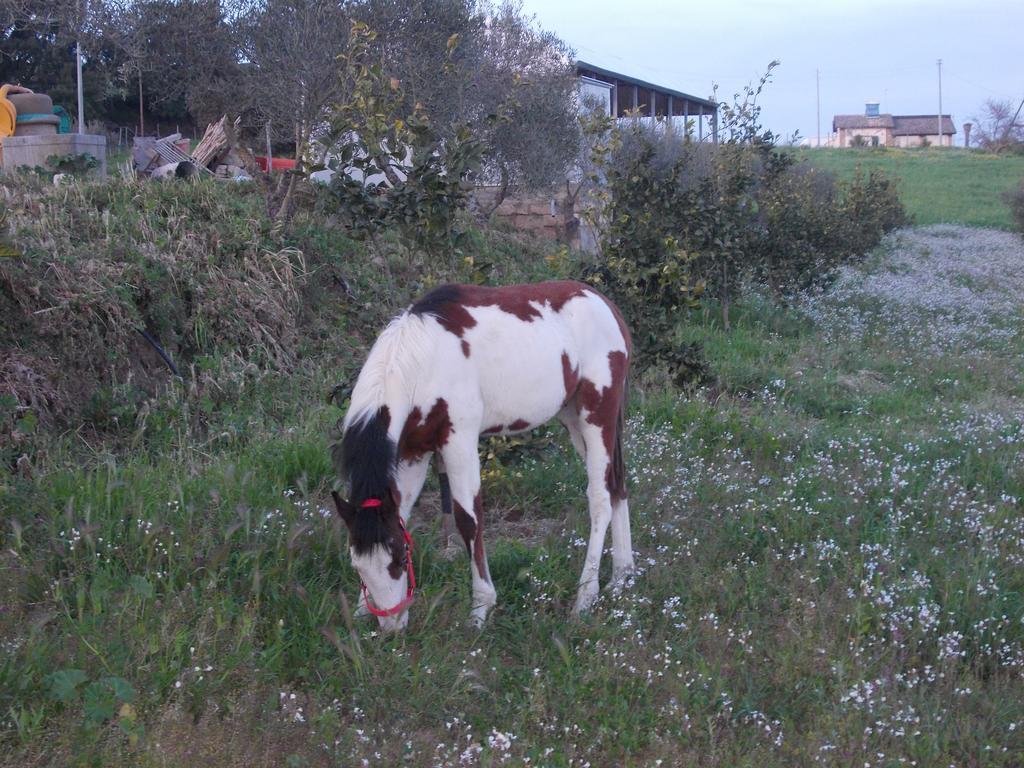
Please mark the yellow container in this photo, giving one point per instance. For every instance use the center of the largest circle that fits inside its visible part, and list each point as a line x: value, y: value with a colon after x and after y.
x: 8, y: 113
x: 8, y: 118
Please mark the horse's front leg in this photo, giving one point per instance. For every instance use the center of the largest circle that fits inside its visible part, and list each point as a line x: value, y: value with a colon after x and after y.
x: 463, y: 464
x: 409, y: 479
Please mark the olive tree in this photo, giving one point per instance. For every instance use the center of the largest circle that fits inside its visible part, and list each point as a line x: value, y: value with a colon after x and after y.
x: 527, y: 77
x: 291, y: 48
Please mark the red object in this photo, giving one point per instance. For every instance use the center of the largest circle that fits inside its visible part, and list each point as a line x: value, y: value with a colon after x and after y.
x: 276, y: 163
x: 408, y: 566
x: 370, y: 504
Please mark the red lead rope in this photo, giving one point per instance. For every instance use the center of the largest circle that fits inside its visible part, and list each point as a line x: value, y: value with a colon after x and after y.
x: 370, y: 503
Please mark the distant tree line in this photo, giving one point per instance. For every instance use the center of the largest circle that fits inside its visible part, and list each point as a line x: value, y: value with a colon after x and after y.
x: 275, y: 64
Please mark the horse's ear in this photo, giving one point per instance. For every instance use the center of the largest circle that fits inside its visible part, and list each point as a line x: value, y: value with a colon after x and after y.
x: 345, y: 510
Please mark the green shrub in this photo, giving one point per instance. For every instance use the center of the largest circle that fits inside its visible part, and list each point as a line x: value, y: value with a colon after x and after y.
x: 424, y: 174
x: 646, y: 182
x: 871, y: 207
x: 1015, y: 199
x: 678, y: 219
x: 804, y: 232
x: 813, y: 224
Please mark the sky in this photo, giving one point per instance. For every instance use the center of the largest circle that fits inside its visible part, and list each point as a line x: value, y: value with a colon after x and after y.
x: 864, y: 50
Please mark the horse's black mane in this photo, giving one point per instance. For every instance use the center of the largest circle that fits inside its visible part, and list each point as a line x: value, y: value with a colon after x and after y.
x: 432, y: 302
x: 367, y: 457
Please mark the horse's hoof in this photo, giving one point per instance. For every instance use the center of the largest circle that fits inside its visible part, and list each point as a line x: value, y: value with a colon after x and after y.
x: 621, y: 578
x: 478, y: 618
x: 584, y: 603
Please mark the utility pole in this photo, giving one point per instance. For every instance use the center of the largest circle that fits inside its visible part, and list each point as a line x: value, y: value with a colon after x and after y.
x: 940, y: 102
x: 817, y: 88
x: 81, y: 100
x: 1013, y: 123
x: 83, y: 10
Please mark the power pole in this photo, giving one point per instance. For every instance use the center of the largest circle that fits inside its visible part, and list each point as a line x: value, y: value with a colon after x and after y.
x: 81, y: 100
x: 817, y: 87
x: 1013, y: 123
x: 940, y: 102
x: 78, y: 67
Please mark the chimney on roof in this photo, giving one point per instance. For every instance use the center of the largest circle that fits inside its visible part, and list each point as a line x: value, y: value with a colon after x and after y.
x: 871, y: 109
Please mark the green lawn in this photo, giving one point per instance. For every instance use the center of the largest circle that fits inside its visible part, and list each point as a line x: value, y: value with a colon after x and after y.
x: 829, y: 540
x: 937, y: 186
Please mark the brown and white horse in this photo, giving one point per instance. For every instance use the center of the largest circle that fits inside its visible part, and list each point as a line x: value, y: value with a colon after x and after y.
x: 466, y: 361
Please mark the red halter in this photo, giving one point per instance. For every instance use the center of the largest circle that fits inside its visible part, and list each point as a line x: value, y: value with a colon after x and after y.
x: 370, y: 504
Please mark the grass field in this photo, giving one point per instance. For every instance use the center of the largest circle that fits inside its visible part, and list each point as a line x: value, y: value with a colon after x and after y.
x: 830, y: 546
x: 937, y: 186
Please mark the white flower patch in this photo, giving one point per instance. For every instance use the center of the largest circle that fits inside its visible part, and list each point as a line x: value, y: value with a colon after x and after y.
x: 951, y: 646
x: 938, y: 288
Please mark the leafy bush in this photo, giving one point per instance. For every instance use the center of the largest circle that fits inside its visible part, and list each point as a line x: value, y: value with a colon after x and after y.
x: 422, y: 177
x: 76, y: 165
x: 644, y: 184
x: 802, y: 229
x: 679, y: 219
x: 871, y: 207
x: 1015, y: 199
x: 812, y: 224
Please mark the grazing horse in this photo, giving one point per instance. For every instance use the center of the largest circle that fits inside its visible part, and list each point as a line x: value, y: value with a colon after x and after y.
x: 466, y: 361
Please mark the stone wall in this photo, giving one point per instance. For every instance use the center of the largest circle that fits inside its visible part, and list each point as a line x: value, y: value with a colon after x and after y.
x: 31, y: 151
x: 552, y: 216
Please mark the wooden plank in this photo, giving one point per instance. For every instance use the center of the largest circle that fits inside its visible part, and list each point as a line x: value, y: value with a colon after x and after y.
x: 216, y: 142
x: 169, y: 152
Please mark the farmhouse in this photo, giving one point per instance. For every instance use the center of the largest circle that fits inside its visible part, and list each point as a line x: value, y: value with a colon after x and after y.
x: 883, y: 130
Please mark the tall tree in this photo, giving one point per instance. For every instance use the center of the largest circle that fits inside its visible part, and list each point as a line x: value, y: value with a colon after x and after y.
x: 527, y: 77
x: 462, y: 61
x: 431, y: 47
x: 38, y: 49
x: 290, y: 48
x: 182, y: 55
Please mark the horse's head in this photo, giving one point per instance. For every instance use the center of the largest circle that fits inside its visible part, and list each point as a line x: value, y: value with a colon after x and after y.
x: 381, y: 551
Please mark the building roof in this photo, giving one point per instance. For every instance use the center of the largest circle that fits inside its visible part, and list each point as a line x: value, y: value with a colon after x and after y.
x: 600, y: 73
x: 921, y: 125
x: 902, y: 125
x: 861, y: 121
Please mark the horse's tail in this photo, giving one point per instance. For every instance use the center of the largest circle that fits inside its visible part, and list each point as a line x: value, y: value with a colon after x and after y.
x: 617, y: 486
